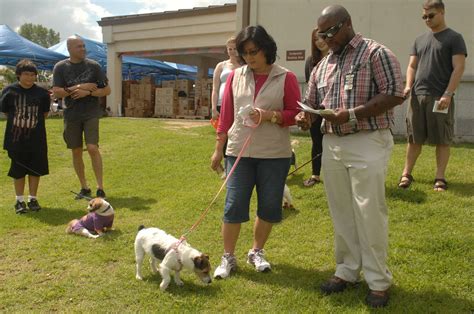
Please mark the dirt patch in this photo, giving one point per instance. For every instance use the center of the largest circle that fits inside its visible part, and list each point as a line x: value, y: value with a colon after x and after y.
x: 186, y: 124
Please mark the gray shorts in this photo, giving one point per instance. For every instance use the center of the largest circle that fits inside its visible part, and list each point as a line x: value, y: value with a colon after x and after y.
x: 73, y: 131
x: 424, y: 125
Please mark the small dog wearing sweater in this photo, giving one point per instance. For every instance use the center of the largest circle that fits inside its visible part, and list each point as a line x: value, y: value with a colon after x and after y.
x: 99, y: 220
x: 173, y: 254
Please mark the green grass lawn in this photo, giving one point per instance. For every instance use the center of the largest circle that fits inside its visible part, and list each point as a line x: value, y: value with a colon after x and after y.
x: 157, y: 174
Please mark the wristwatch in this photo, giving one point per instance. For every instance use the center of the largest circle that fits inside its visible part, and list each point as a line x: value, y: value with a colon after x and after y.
x: 274, y: 117
x: 352, y: 117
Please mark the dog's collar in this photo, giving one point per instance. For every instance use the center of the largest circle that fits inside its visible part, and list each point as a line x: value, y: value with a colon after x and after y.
x: 108, y: 207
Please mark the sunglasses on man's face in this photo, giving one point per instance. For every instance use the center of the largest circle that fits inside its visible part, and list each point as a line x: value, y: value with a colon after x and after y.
x: 331, y: 32
x: 428, y: 16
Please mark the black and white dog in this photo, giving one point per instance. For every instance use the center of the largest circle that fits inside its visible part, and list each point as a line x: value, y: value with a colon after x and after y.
x: 173, y: 254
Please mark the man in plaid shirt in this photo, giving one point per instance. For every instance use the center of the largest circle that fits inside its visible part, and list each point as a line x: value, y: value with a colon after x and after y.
x: 360, y: 80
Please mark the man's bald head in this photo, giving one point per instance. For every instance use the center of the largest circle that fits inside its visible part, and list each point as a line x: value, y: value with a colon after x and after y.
x: 334, y: 12
x: 76, y: 49
x: 335, y: 27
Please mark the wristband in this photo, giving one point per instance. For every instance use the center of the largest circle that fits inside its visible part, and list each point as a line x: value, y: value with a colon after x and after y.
x: 448, y: 93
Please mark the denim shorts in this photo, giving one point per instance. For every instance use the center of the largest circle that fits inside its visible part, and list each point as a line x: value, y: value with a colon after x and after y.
x: 268, y: 176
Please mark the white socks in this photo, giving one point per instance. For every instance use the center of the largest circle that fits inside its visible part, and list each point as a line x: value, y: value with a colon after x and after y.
x: 20, y: 198
x: 31, y: 197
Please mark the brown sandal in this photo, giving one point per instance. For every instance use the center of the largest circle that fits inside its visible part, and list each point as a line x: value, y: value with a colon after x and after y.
x: 405, y: 181
x: 311, y: 181
x: 440, y: 185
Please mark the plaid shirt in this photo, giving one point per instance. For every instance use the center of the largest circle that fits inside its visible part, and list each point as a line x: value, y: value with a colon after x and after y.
x: 363, y: 69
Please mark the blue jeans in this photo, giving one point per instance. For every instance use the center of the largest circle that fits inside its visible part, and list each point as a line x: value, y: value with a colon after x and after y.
x: 268, y: 176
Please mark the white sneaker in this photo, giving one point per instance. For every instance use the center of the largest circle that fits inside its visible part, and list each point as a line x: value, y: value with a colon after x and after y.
x: 228, y: 264
x: 257, y: 258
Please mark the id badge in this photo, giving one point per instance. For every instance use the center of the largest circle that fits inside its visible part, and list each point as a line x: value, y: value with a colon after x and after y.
x: 349, y: 81
x: 322, y: 84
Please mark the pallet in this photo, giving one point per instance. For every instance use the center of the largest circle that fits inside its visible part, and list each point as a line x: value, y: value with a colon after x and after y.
x: 191, y: 117
x: 164, y: 116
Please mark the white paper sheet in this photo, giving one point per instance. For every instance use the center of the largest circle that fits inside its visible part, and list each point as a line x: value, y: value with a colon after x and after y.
x: 321, y: 112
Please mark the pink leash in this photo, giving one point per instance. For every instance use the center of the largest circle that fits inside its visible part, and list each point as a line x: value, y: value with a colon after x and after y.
x: 201, y: 218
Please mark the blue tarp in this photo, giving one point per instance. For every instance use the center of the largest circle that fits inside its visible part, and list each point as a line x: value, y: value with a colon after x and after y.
x: 133, y: 67
x: 14, y: 47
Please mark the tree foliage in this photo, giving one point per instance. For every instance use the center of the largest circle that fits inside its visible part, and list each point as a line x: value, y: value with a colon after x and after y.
x: 7, y: 76
x: 39, y: 34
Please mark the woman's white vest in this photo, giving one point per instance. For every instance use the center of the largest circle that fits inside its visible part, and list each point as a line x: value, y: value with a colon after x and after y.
x: 269, y: 140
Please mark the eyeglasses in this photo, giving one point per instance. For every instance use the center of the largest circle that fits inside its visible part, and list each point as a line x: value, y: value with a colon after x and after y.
x: 252, y: 53
x: 330, y: 33
x: 429, y: 16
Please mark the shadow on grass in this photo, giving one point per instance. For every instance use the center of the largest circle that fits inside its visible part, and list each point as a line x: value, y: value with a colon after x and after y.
x: 56, y: 216
x: 286, y: 275
x: 111, y: 235
x: 408, y: 195
x: 461, y: 188
x: 133, y: 203
x: 192, y: 285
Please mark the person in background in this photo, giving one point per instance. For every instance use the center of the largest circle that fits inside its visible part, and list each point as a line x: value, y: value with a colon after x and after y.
x: 26, y: 106
x: 221, y: 72
x: 81, y: 81
x: 272, y: 93
x: 360, y: 81
x: 319, y: 50
x: 434, y: 71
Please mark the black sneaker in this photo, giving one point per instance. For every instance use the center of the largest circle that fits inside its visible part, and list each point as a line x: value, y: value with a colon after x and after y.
x: 83, y: 193
x: 100, y: 193
x: 33, y: 205
x: 20, y: 207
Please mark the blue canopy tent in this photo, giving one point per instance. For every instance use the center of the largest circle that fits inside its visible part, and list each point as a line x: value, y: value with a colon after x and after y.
x: 133, y: 67
x: 14, y: 47
x: 95, y: 50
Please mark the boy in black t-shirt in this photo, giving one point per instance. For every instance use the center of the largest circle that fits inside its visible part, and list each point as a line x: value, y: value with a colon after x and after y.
x: 26, y: 106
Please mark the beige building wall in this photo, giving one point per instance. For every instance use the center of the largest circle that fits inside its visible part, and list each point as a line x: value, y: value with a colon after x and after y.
x: 394, y: 23
x: 193, y: 37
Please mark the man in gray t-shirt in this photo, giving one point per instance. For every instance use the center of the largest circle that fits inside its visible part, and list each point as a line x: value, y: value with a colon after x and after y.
x: 81, y: 81
x: 434, y: 71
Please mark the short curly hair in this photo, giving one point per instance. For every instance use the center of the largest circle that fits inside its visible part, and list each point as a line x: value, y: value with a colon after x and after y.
x: 262, y: 40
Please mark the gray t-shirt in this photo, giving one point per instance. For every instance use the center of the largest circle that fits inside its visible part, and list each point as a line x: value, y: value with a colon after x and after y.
x: 67, y: 74
x: 434, y: 52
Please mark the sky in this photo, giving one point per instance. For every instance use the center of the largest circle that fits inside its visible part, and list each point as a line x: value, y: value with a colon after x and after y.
x: 81, y: 16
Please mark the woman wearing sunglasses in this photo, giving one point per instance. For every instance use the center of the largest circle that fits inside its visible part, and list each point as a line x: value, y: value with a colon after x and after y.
x: 268, y: 94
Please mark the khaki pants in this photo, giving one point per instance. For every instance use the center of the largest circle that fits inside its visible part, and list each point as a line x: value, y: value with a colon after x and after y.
x: 355, y: 168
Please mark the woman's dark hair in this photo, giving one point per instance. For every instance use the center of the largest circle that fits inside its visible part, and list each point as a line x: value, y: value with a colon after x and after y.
x: 316, y: 55
x: 25, y: 65
x: 262, y: 40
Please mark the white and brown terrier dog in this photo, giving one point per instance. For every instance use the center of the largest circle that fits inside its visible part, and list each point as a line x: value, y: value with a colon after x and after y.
x: 173, y: 254
x: 98, y: 221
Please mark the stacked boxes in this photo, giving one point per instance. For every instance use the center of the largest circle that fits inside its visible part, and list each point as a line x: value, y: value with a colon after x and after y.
x: 166, y: 102
x: 202, y: 97
x: 141, y: 98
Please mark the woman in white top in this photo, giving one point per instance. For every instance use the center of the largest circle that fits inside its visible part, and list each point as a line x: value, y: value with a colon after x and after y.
x: 221, y: 73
